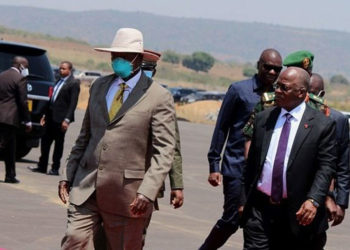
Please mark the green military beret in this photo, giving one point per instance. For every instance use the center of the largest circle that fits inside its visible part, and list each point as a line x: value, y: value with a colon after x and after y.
x: 301, y: 58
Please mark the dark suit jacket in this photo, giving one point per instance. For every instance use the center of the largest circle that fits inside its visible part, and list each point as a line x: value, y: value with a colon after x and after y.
x: 310, y: 167
x: 13, y: 98
x: 342, y: 178
x: 66, y: 101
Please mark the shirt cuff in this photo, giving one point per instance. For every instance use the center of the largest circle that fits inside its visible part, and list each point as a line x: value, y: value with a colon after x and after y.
x: 67, y: 120
x: 28, y: 124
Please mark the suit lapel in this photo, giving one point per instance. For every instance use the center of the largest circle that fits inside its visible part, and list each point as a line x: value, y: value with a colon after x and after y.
x: 101, y: 98
x: 135, y: 96
x: 268, y: 127
x: 303, y: 131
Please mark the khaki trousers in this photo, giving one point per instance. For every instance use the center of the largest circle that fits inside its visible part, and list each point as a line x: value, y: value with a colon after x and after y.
x: 84, y: 223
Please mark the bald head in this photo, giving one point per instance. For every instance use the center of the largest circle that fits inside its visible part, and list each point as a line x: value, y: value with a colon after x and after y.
x: 292, y: 86
x: 18, y: 61
x: 316, y: 85
x: 301, y: 76
x: 270, y: 53
x: 269, y: 67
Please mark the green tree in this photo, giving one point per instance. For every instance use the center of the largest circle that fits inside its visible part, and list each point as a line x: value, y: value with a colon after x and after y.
x: 171, y: 57
x: 199, y: 61
x: 339, y: 79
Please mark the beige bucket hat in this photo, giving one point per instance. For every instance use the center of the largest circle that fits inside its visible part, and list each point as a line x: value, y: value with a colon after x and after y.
x: 126, y: 40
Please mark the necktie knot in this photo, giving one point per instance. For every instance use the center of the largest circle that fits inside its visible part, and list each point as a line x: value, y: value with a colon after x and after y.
x: 288, y: 117
x: 117, y: 101
x: 122, y: 88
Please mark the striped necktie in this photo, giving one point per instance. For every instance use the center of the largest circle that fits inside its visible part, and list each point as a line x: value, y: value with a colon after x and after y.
x: 56, y: 89
x: 117, y: 101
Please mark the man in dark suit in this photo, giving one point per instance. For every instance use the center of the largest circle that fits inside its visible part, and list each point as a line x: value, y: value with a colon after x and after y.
x: 289, y: 169
x: 239, y: 102
x: 59, y: 115
x: 338, y: 199
x: 14, y: 109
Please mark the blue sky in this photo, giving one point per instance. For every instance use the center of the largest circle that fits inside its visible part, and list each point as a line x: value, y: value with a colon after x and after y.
x: 321, y: 14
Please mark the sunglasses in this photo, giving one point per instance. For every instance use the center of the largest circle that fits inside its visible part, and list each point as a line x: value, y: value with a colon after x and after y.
x: 281, y: 86
x: 269, y: 67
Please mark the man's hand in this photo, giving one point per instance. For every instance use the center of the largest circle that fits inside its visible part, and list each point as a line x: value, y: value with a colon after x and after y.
x: 64, y: 126
x: 42, y: 121
x: 176, y: 198
x: 140, y: 205
x: 339, y: 217
x: 240, y: 211
x: 331, y: 208
x: 214, y: 179
x: 306, y: 213
x: 63, y: 191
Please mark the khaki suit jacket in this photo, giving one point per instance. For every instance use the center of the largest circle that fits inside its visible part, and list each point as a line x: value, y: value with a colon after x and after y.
x: 131, y: 154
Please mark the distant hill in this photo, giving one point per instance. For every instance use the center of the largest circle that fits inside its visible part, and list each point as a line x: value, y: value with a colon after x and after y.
x: 227, y: 40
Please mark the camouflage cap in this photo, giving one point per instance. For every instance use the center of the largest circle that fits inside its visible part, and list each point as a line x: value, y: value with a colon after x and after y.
x: 302, y: 59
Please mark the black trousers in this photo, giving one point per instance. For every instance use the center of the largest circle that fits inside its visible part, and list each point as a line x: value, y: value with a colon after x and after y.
x: 268, y: 228
x: 53, y: 133
x: 8, y: 149
x: 229, y: 222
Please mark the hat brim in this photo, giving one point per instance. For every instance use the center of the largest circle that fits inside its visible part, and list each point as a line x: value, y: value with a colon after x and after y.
x: 151, y: 56
x: 118, y: 49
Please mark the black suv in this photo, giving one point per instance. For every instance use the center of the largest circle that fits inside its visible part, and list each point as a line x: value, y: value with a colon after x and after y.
x: 40, y: 83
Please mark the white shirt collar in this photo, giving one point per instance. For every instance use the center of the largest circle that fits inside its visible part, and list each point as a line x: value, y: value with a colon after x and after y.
x: 131, y: 83
x: 297, y: 112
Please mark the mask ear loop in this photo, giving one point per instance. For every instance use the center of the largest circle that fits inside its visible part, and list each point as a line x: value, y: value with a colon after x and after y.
x: 132, y: 63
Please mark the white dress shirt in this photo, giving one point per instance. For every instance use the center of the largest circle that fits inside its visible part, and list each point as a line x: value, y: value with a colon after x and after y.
x: 58, y: 87
x: 113, y: 89
x: 265, y: 180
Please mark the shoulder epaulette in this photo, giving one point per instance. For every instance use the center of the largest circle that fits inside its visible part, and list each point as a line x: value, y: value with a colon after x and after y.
x: 316, y: 98
x: 268, y: 96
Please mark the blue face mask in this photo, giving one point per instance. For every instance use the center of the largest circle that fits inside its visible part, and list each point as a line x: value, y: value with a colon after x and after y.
x: 148, y: 73
x: 122, y: 67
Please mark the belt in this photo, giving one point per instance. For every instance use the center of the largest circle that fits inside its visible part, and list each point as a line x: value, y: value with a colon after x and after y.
x: 263, y: 198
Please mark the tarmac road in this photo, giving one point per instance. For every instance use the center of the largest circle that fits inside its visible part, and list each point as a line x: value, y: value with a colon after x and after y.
x: 33, y: 218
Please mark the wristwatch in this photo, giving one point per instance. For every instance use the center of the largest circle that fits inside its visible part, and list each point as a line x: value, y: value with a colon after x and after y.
x: 315, y: 203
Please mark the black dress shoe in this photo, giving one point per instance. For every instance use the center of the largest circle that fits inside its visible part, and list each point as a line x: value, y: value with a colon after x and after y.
x: 11, y: 180
x: 53, y: 172
x: 36, y: 169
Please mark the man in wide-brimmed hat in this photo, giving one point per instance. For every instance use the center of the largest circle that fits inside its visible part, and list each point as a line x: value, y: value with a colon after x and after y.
x: 123, y: 153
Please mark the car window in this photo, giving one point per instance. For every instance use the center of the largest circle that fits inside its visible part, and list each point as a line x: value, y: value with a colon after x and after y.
x: 39, y: 65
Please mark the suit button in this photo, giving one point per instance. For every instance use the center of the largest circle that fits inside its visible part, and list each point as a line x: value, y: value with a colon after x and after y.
x: 100, y: 167
x: 105, y: 146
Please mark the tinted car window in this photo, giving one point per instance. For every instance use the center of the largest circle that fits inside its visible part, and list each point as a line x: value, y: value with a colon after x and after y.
x: 39, y: 66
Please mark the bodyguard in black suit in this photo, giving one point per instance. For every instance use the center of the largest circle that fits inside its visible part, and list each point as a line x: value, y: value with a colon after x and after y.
x: 289, y: 169
x: 338, y: 199
x: 13, y: 110
x: 59, y: 115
